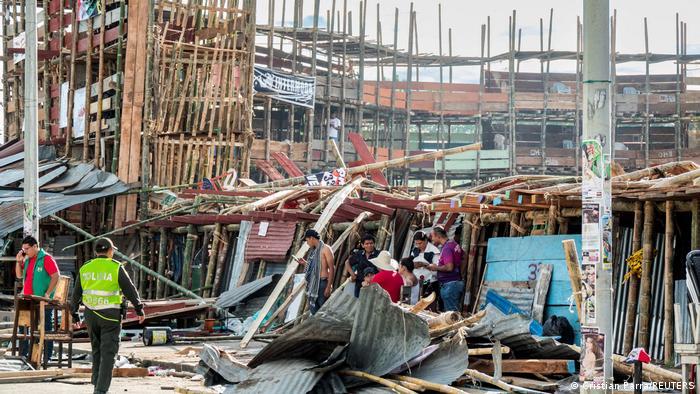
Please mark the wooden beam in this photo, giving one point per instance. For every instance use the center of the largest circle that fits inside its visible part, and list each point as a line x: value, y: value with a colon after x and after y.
x: 633, y: 289
x: 541, y: 290
x: 668, y: 285
x: 574, y: 268
x: 645, y: 288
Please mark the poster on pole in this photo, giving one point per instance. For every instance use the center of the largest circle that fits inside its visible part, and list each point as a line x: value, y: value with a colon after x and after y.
x: 588, y: 287
x: 289, y: 88
x: 592, y: 355
x: 593, y: 169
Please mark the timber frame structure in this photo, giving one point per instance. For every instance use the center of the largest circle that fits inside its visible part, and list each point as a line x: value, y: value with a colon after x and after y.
x: 655, y: 116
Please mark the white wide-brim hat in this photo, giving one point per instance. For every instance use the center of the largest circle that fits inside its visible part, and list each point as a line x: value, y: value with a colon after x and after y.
x: 385, y: 262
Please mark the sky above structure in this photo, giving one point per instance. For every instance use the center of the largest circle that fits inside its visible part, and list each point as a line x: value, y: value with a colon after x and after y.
x: 465, y: 18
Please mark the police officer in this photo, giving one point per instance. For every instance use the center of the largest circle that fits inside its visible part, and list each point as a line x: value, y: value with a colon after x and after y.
x: 100, y: 286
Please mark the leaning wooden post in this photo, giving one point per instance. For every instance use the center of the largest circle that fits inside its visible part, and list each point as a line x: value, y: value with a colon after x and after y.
x: 574, y: 268
x: 633, y: 287
x: 647, y: 260
x: 668, y: 284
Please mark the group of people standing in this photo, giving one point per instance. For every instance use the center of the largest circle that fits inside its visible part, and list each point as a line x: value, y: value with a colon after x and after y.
x: 433, y: 265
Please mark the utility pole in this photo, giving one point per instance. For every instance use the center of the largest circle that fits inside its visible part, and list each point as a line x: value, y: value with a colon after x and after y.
x: 31, y: 125
x: 596, y: 146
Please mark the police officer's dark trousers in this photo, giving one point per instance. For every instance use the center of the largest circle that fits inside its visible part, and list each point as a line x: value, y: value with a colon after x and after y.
x: 104, y: 338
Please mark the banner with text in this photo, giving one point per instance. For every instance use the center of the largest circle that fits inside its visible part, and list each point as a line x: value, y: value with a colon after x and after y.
x: 293, y: 89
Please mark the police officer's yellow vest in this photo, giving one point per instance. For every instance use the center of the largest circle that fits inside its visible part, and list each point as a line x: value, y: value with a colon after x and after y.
x: 99, y: 279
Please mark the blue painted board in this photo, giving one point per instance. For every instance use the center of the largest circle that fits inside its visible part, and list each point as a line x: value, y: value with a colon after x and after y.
x: 518, y: 258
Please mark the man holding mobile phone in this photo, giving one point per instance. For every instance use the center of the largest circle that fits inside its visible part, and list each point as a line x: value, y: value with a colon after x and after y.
x: 40, y: 273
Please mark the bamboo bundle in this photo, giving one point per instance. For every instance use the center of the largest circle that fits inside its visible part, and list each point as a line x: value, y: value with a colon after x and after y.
x: 444, y: 319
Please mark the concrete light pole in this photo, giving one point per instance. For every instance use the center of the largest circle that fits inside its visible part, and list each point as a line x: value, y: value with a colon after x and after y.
x: 596, y: 155
x: 31, y: 125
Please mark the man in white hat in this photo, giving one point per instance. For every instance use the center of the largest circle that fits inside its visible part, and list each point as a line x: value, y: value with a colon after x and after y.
x: 388, y: 277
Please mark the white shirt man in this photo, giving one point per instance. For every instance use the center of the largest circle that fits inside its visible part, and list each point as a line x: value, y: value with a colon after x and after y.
x: 333, y: 127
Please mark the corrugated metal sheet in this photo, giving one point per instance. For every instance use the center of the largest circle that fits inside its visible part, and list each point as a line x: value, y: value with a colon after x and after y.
x: 447, y: 363
x: 233, y: 372
x: 237, y: 257
x: 56, y: 174
x: 281, y: 376
x: 656, y: 312
x: 49, y: 203
x: 384, y: 336
x: 239, y: 294
x: 330, y: 383
x: 330, y: 326
x: 71, y: 177
x: 274, y: 245
x: 514, y: 332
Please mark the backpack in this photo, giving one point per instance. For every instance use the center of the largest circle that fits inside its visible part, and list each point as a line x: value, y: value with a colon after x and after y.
x: 559, y: 326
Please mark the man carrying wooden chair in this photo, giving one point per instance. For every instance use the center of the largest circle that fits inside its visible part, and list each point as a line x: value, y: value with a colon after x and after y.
x: 100, y: 286
x: 40, y: 273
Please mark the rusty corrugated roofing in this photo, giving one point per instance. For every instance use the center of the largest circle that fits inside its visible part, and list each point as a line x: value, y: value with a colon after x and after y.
x: 274, y: 245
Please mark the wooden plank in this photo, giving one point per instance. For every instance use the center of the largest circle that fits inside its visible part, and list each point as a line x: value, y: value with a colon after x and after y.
x: 541, y: 290
x: 544, y: 367
x: 335, y: 202
x: 574, y: 269
x: 363, y: 151
x: 134, y: 68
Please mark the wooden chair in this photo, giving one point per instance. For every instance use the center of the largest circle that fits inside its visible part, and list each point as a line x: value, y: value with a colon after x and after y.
x: 30, y: 314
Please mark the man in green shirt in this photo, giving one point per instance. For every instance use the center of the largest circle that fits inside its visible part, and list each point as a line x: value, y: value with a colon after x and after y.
x: 40, y: 273
x: 100, y: 285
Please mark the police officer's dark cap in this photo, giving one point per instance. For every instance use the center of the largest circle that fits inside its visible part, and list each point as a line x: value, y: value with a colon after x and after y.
x: 103, y: 245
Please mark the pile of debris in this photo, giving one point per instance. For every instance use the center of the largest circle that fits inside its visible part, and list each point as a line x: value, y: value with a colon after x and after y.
x: 373, y: 345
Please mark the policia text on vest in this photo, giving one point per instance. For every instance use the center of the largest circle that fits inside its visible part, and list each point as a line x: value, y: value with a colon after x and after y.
x: 101, y: 285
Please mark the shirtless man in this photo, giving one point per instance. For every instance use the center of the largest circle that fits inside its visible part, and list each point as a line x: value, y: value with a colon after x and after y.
x: 319, y: 271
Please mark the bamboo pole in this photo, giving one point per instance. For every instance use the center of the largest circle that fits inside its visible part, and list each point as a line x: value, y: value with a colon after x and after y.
x: 376, y: 379
x: 409, y: 77
x: 633, y: 288
x: 211, y: 266
x: 131, y: 261
x: 645, y: 288
x: 474, y: 374
x: 398, y: 162
x: 668, y: 285
x: 221, y: 260
x: 162, y: 250
x: 438, y: 388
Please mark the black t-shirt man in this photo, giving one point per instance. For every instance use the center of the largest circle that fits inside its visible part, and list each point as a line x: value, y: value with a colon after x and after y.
x: 359, y: 261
